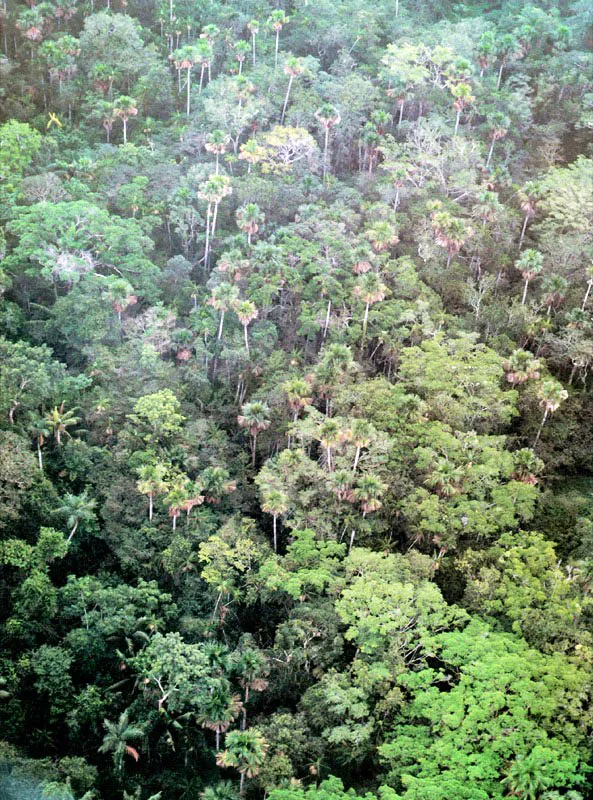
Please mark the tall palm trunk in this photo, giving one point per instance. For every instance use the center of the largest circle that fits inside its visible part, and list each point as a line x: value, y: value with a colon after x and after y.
x: 490, y: 154
x: 72, y: 532
x: 201, y: 78
x: 275, y: 533
x: 125, y: 121
x: 253, y: 48
x: 207, y: 246
x: 457, y: 122
x: 290, y: 80
x: 188, y: 89
x: 220, y: 326
x: 246, y: 340
x: 276, y: 50
x: 586, y: 297
x: 325, y: 151
x: 150, y: 503
x: 523, y: 229
x: 500, y: 74
x: 401, y: 112
x: 39, y: 456
x: 524, y: 298
x: 327, y: 317
x: 540, y: 429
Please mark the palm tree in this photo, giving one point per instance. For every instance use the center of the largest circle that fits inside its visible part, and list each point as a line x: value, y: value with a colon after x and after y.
x: 499, y: 128
x: 186, y: 58
x: 360, y: 434
x: 551, y: 395
x: 329, y: 434
x: 445, y: 478
x: 241, y: 50
x: 223, y: 298
x: 251, y: 152
x: 371, y: 290
x: 529, y: 196
x: 252, y: 668
x: 274, y: 502
x: 124, y: 108
x: 368, y: 493
x: 223, y: 790
x: 293, y: 68
x: 177, y: 498
x: 276, y: 21
x: 462, y: 92
x: 205, y: 58
x: 218, y: 710
x: 253, y: 28
x: 246, y: 311
x: 507, y: 48
x: 381, y: 236
x: 214, y: 190
x: 77, y: 508
x: 524, y: 779
x: 246, y: 751
x: 298, y: 394
x: 116, y: 739
x: 249, y: 218
x: 254, y: 417
x: 521, y: 366
x: 217, y: 143
x: 152, y: 481
x: 120, y: 294
x: 555, y: 288
x: 526, y: 466
x: 39, y: 430
x: 450, y: 233
x: 530, y: 265
x: 58, y: 420
x: 328, y: 117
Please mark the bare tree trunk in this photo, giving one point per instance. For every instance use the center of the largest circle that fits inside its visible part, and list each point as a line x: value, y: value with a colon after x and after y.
x: 275, y: 534
x: 207, y: 248
x: 325, y: 149
x: 586, y: 297
x: 246, y: 340
x: 253, y: 48
x: 327, y: 316
x: 150, y: 508
x: 39, y: 456
x: 188, y: 89
x: 540, y: 429
x: 523, y: 229
x: 276, y: 51
x: 219, y: 337
x: 500, y: 74
x: 290, y: 80
x: 525, y: 292
x: 490, y: 154
x: 72, y: 532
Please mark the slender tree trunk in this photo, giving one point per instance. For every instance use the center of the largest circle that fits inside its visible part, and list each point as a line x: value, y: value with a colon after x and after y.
x: 327, y: 317
x: 253, y: 449
x: 329, y: 459
x: 72, y: 532
x: 207, y: 246
x: 276, y: 50
x: 253, y: 48
x: 188, y: 89
x: 217, y: 740
x: 523, y: 229
x: 246, y: 340
x: 525, y: 292
x: 364, y: 323
x: 201, y: 79
x: 396, y: 201
x: 242, y: 784
x: 240, y: 68
x: 540, y: 429
x: 214, y: 221
x: 352, y: 535
x: 356, y: 458
x: 500, y: 74
x: 209, y: 72
x: 325, y: 150
x: 401, y: 112
x: 39, y: 456
x: 150, y: 503
x: 174, y: 518
x: 275, y: 534
x: 457, y: 122
x: 586, y: 297
x: 125, y: 130
x: 490, y: 154
x: 217, y: 160
x: 290, y: 80
x: 219, y: 337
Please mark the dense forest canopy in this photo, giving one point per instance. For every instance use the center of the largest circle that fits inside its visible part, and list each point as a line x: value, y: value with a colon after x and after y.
x: 296, y: 443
